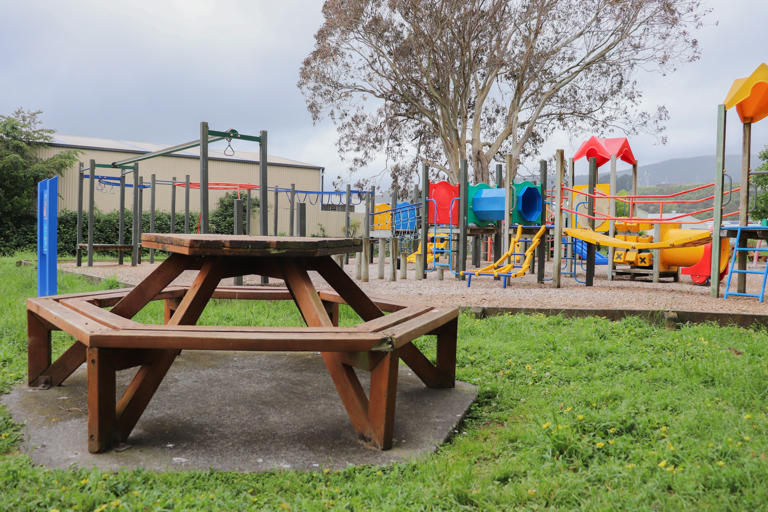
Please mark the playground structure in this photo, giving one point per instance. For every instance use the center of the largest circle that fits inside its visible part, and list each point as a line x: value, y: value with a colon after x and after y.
x: 454, y: 213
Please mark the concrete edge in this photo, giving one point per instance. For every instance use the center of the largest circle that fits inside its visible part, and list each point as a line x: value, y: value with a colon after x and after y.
x: 653, y: 315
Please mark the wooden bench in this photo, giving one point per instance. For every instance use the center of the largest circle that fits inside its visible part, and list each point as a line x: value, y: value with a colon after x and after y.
x: 109, y: 341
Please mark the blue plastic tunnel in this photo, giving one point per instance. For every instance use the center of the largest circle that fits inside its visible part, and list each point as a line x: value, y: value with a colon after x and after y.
x: 489, y: 204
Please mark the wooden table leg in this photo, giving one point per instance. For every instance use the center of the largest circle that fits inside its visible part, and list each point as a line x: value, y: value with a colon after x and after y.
x: 41, y: 372
x: 381, y: 405
x: 38, y: 349
x: 446, y: 351
x: 373, y: 419
x: 101, y: 400
x: 121, y: 419
x: 154, y: 283
x: 442, y: 374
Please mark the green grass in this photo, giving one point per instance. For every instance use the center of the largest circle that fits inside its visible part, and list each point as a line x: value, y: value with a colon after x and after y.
x: 571, y: 414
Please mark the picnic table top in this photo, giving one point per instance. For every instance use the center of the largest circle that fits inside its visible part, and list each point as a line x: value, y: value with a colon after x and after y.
x: 243, y: 245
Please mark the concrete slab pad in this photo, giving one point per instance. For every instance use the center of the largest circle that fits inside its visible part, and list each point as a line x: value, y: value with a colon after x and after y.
x: 237, y: 411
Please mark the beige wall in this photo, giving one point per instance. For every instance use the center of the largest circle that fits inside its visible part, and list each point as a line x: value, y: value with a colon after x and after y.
x: 167, y: 167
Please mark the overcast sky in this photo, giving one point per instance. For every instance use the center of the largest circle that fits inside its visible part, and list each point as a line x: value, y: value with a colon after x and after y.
x: 151, y: 70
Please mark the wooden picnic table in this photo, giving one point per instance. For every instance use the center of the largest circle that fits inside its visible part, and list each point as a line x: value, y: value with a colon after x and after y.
x: 109, y: 341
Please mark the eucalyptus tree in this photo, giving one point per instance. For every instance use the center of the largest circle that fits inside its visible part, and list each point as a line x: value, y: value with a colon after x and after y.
x: 438, y: 81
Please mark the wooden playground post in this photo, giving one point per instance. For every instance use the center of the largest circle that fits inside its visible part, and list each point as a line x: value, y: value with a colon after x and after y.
x: 153, y: 185
x: 393, y: 241
x: 543, y: 247
x: 238, y: 230
x: 424, y: 235
x: 263, y: 184
x: 141, y: 216
x: 382, y: 253
x: 346, y: 218
x: 121, y: 226
x: 91, y: 199
x: 557, y: 208
x: 78, y: 250
x: 463, y: 206
x: 291, y: 215
x: 134, y: 226
x: 746, y: 148
x: 186, y: 204
x: 612, y: 213
x: 591, y: 212
x: 203, y: 228
x: 717, y: 212
x: 248, y: 212
x: 276, y: 201
x: 173, y: 205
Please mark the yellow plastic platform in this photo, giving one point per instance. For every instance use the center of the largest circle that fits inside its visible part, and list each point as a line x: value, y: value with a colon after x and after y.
x: 702, y: 238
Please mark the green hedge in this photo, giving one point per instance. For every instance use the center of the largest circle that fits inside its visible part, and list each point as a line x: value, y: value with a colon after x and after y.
x: 107, y: 225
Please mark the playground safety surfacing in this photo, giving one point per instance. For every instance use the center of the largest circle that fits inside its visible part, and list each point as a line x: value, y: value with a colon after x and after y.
x: 249, y: 413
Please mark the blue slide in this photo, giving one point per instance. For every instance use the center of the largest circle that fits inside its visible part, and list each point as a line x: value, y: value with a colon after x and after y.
x: 580, y: 248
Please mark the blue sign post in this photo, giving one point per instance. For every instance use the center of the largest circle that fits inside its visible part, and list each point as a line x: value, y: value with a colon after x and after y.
x: 47, y: 240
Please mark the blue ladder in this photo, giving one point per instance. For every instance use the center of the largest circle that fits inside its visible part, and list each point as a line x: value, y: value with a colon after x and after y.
x: 763, y: 272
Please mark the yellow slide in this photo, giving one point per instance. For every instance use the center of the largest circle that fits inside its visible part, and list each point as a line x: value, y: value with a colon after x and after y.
x: 430, y: 251
x: 499, y: 268
x: 690, y: 239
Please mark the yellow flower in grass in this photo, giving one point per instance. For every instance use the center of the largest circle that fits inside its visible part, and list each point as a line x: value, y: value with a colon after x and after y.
x: 612, y: 430
x: 746, y: 438
x: 747, y: 416
x: 546, y: 425
x: 671, y: 448
x: 580, y: 417
x: 630, y: 466
x: 600, y: 445
x: 720, y: 463
x: 611, y: 441
x: 662, y: 464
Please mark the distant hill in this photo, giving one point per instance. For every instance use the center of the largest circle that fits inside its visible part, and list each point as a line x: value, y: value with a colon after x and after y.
x: 697, y: 169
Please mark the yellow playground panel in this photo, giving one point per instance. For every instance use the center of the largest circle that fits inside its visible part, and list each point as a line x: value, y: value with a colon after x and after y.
x: 502, y: 267
x: 382, y: 220
x: 601, y: 206
x: 430, y: 249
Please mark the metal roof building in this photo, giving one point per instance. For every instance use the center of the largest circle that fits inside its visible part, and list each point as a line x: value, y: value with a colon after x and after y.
x: 241, y: 167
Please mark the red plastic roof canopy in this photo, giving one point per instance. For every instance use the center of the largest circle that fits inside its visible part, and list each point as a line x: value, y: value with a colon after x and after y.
x: 603, y: 149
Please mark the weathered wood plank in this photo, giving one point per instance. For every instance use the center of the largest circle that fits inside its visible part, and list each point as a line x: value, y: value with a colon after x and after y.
x: 381, y: 404
x: 140, y: 391
x: 194, y: 302
x: 287, y: 342
x: 422, y: 367
x: 99, y: 315
x: 346, y: 288
x: 147, y: 290
x: 304, y: 294
x: 408, y: 331
x: 38, y: 348
x: 347, y: 384
x: 124, y: 358
x: 101, y: 400
x: 229, y: 245
x: 446, y: 351
x: 65, y: 319
x: 65, y: 365
x: 393, y: 319
x: 386, y: 305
